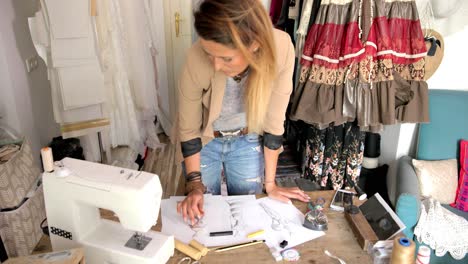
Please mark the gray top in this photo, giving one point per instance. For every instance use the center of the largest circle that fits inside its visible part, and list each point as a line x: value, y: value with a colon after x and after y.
x: 232, y: 116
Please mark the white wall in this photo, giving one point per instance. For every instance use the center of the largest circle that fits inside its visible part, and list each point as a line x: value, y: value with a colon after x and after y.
x: 8, y: 112
x: 401, y: 140
x: 25, y: 99
x: 452, y: 73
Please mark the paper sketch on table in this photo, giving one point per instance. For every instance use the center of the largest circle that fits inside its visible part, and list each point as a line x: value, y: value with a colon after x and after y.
x: 218, y: 217
x: 284, y: 222
x: 241, y: 214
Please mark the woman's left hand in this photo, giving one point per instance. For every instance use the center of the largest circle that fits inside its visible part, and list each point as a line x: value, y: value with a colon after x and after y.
x: 284, y: 194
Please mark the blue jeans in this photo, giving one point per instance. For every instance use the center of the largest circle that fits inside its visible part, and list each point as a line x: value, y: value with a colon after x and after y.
x: 240, y: 157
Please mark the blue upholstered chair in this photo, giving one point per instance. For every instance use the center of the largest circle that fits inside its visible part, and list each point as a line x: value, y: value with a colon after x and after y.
x: 438, y: 140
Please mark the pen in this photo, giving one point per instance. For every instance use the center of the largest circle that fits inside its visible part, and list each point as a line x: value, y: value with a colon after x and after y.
x: 251, y: 243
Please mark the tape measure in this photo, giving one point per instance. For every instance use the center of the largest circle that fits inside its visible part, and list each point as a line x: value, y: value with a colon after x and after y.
x: 291, y: 255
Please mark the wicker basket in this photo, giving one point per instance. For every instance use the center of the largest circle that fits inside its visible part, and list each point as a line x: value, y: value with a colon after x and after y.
x: 17, y: 176
x: 20, y: 229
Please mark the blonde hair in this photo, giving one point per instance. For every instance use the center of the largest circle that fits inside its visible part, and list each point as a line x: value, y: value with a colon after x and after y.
x: 239, y: 24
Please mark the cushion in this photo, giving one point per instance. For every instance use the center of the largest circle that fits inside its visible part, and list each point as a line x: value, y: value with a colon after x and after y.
x: 408, y: 209
x: 437, y: 179
x: 461, y: 200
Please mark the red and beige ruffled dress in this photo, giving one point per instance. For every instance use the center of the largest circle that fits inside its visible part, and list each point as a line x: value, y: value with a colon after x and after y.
x: 363, y: 61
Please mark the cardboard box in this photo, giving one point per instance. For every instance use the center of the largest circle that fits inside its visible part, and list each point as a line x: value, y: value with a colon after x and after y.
x: 72, y: 256
x: 20, y: 229
x: 17, y: 176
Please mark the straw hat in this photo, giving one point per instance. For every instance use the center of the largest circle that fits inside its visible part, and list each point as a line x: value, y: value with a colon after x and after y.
x: 433, y: 62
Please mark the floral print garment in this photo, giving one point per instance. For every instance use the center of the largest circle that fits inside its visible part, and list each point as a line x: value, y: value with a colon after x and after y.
x: 333, y: 156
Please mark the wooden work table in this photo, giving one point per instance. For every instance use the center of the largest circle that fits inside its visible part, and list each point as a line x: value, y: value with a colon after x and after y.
x: 338, y: 239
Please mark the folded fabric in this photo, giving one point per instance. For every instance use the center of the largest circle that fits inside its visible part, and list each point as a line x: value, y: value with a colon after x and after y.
x: 39, y: 35
x: 68, y: 19
x: 68, y: 52
x: 41, y: 31
x: 81, y: 85
x: 72, y: 115
x: 41, y: 49
x: 461, y: 200
x: 71, y: 32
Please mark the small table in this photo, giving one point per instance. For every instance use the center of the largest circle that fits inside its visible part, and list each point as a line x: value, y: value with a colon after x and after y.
x: 99, y: 126
x: 338, y: 239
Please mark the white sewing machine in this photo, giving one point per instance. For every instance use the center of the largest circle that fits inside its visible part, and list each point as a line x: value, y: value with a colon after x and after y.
x: 76, y: 190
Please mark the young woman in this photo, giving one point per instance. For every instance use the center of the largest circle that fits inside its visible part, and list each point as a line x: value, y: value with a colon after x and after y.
x: 233, y: 93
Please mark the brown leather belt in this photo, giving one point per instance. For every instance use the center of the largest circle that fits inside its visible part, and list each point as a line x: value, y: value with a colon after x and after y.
x: 235, y: 133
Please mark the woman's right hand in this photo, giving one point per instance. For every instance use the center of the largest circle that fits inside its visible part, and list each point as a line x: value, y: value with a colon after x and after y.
x: 286, y: 194
x: 192, y: 206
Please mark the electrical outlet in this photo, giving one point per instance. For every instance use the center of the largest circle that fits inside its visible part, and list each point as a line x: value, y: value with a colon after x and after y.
x: 32, y: 63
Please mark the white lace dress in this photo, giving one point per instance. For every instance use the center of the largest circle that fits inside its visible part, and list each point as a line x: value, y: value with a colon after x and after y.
x: 442, y: 230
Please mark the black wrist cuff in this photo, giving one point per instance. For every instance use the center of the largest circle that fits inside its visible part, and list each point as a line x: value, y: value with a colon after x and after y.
x: 191, y: 147
x: 193, y: 176
x: 272, y: 142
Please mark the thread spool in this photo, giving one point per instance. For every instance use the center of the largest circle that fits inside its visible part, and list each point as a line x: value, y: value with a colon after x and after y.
x: 403, y: 251
x: 197, y: 245
x: 424, y: 255
x: 188, y: 250
x: 370, y: 163
x: 47, y: 159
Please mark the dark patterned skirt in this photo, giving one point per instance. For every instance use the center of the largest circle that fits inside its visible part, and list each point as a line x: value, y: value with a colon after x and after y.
x: 333, y: 156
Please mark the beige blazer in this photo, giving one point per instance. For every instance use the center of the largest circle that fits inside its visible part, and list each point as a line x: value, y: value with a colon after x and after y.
x: 201, y: 92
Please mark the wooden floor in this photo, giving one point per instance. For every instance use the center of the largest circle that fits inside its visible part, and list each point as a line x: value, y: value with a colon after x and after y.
x: 162, y: 162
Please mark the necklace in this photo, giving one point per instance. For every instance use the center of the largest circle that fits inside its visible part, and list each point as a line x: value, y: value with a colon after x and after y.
x: 238, y: 78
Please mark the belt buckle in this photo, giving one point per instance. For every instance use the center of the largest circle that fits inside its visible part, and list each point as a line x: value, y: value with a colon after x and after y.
x: 230, y: 133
